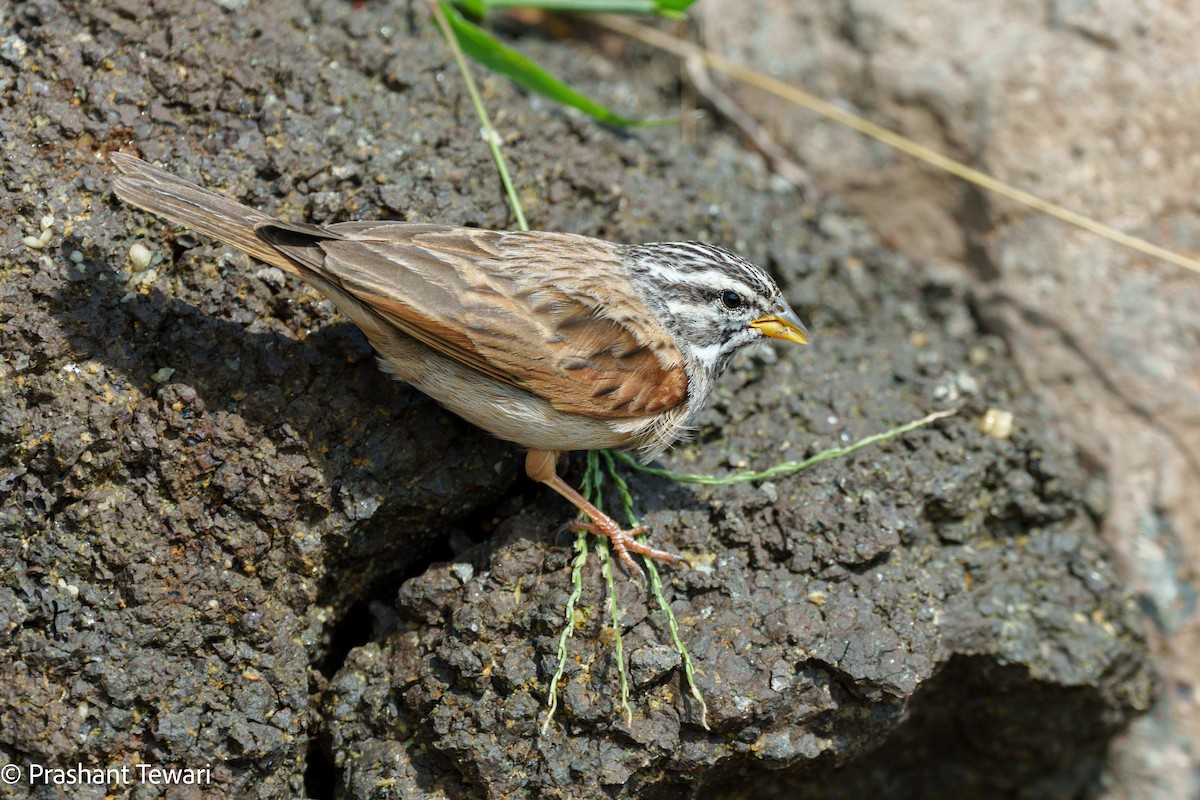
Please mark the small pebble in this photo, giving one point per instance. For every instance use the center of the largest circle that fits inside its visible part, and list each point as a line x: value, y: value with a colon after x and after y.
x: 463, y: 571
x: 997, y: 423
x: 140, y: 255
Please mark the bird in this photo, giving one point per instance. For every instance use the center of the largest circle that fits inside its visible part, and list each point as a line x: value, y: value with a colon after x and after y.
x: 553, y: 341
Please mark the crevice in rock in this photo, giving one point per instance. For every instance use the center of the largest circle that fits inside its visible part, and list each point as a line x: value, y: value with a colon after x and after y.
x: 320, y: 773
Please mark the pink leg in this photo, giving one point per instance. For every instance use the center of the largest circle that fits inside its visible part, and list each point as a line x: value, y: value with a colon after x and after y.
x: 541, y: 464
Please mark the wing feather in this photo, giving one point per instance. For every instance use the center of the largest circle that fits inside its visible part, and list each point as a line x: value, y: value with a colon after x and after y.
x: 538, y: 311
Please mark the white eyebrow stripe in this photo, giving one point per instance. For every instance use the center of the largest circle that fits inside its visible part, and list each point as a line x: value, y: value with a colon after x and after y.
x: 696, y: 262
x: 714, y: 278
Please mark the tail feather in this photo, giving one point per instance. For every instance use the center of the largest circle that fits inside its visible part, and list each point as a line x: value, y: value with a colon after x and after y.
x: 159, y: 192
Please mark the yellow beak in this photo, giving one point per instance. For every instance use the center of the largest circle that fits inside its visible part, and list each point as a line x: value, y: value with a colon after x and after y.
x: 783, y: 324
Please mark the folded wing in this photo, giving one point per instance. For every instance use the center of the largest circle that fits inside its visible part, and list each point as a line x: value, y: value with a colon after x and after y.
x: 548, y: 313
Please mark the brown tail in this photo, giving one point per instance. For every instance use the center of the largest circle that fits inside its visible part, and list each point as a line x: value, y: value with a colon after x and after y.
x: 159, y: 192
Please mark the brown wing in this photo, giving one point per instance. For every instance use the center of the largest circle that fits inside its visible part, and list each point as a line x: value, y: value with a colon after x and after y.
x: 540, y: 311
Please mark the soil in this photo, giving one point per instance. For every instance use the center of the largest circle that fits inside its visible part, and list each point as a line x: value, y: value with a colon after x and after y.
x: 229, y: 540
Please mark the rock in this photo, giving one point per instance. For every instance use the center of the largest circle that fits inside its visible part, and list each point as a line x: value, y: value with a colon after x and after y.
x: 196, y: 567
x: 1079, y: 103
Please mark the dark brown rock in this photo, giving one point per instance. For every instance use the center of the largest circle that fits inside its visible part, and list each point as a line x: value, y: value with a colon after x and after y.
x: 209, y: 494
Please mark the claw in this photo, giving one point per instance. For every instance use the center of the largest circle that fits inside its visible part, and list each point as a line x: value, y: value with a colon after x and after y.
x: 624, y: 543
x: 540, y: 466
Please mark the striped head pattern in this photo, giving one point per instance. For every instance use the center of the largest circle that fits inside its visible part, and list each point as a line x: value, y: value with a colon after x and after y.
x: 715, y: 301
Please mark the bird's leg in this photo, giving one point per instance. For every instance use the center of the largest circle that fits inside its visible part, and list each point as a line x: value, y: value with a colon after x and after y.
x: 542, y: 466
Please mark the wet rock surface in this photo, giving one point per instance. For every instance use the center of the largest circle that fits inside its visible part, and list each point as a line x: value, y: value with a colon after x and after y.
x: 225, y: 533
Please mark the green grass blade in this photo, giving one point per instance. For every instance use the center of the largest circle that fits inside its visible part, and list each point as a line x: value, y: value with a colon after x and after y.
x: 785, y: 467
x: 614, y: 611
x: 476, y: 8
x: 440, y: 14
x: 665, y: 8
x: 689, y: 669
x: 676, y: 6
x: 498, y: 57
x: 564, y: 636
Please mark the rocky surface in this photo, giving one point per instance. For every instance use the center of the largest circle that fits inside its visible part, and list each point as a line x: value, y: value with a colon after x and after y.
x: 229, y: 540
x: 1083, y: 104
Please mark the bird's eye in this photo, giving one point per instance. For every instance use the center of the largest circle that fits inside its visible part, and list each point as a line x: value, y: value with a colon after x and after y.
x: 731, y: 299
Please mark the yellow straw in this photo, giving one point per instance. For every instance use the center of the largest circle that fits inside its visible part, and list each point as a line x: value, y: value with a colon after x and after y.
x: 683, y: 49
